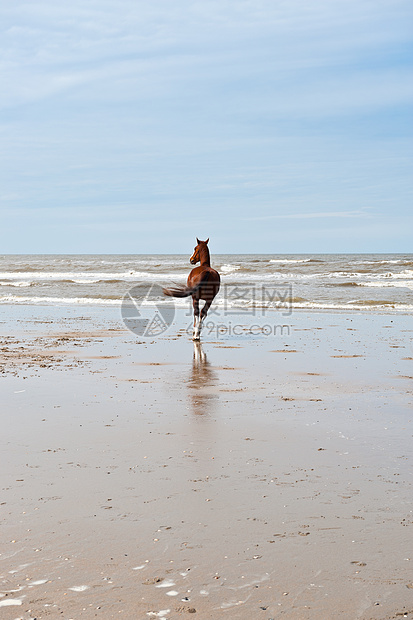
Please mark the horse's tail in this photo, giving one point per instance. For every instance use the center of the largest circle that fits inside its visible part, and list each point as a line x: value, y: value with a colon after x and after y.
x: 179, y: 290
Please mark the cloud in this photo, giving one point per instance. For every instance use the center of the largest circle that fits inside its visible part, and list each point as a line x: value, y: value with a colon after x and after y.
x: 311, y: 216
x: 128, y: 49
x: 242, y: 108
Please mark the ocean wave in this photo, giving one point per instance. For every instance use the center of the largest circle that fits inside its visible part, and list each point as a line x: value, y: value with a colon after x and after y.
x: 257, y: 278
x: 292, y: 260
x: 373, y: 302
x: 321, y: 275
x: 297, y: 300
x: 227, y: 307
x: 111, y: 281
x: 238, y: 277
x: 407, y: 273
x: 91, y: 281
x: 398, y: 284
x: 396, y: 261
x: 26, y: 269
x: 378, y: 284
x: 19, y: 284
x: 86, y: 277
x: 59, y: 301
x: 229, y: 268
x: 356, y: 305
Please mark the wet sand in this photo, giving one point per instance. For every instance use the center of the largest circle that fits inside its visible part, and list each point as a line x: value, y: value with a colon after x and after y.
x: 252, y: 477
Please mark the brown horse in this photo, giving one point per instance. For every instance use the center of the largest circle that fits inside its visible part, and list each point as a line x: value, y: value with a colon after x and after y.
x: 203, y: 283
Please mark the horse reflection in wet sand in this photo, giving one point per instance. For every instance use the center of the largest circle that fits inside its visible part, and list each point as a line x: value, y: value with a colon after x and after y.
x: 202, y: 383
x: 203, y: 283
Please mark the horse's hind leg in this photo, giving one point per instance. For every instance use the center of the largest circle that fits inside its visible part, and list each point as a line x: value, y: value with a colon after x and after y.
x: 197, y: 324
x: 204, y: 312
x: 205, y: 309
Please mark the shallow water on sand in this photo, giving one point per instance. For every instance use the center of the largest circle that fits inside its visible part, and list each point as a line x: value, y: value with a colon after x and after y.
x: 249, y: 476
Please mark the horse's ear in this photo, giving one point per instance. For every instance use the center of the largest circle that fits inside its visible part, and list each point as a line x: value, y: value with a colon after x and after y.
x: 197, y: 240
x: 207, y: 240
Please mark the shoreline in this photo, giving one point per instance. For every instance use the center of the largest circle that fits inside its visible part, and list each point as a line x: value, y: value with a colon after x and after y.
x: 368, y: 309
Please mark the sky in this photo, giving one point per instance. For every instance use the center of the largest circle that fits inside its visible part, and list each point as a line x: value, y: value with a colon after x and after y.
x: 273, y: 126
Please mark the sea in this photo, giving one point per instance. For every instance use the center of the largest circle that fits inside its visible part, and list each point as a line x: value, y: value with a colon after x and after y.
x: 362, y: 282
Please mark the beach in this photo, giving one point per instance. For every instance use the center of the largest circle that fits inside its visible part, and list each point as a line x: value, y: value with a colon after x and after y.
x: 206, y: 302
x: 265, y: 473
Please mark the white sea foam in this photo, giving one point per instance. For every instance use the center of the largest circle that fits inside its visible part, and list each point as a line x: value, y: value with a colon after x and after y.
x: 86, y: 277
x: 355, y: 304
x: 290, y: 260
x: 397, y: 284
x: 381, y: 262
x: 228, y: 305
x: 59, y: 301
x: 260, y: 277
x: 20, y: 283
x: 229, y: 268
x: 406, y: 273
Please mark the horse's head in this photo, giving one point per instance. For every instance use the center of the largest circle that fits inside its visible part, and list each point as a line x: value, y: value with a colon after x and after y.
x: 196, y: 256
